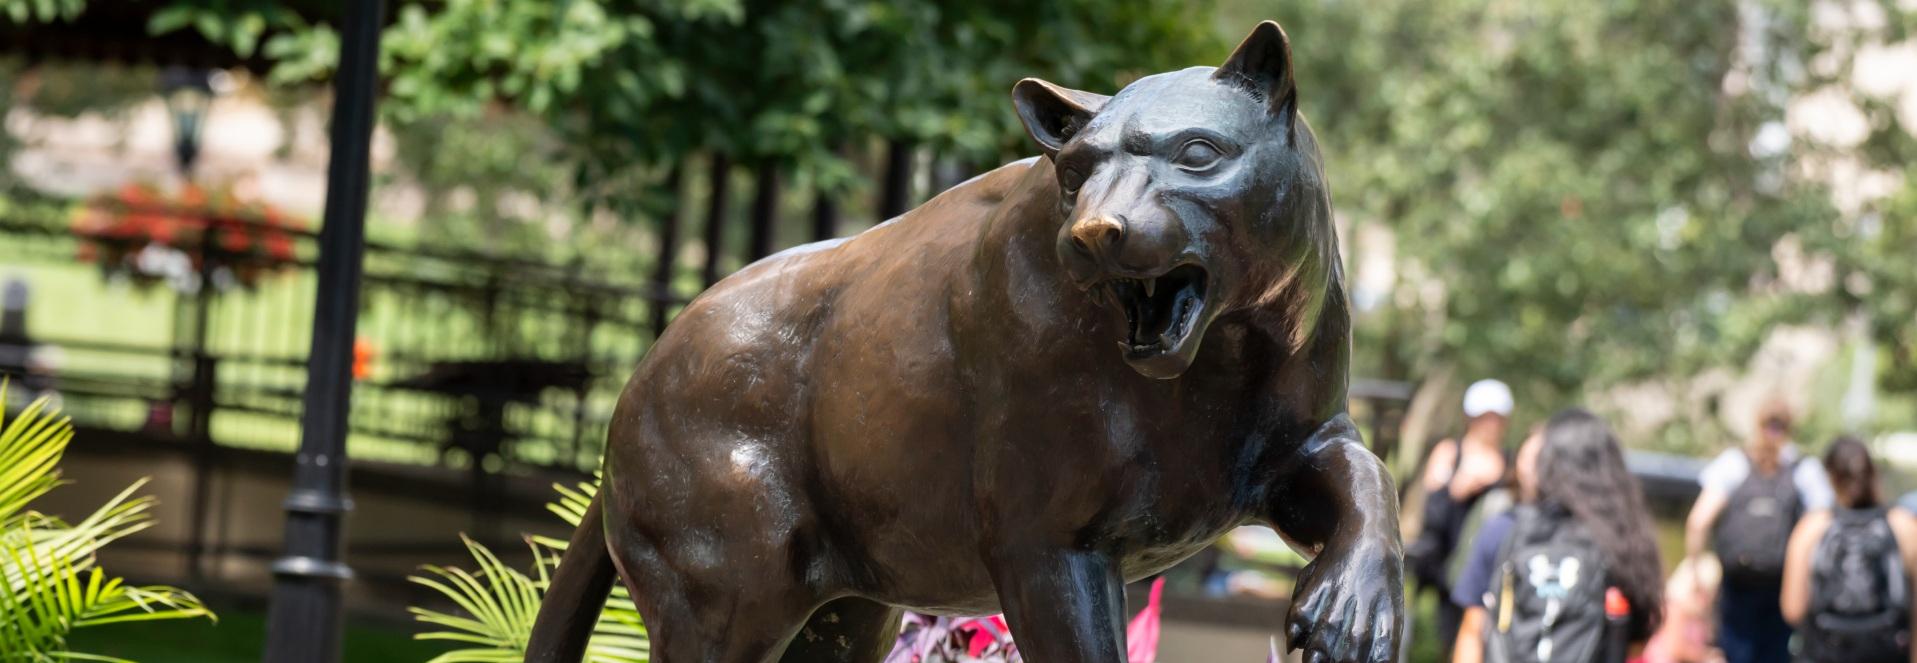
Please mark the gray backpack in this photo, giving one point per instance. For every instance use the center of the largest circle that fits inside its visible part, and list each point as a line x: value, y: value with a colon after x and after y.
x: 1860, y: 596
x: 1755, y: 528
x: 1546, y: 602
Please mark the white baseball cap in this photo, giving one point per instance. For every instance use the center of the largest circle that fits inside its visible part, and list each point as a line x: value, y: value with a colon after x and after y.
x: 1488, y: 397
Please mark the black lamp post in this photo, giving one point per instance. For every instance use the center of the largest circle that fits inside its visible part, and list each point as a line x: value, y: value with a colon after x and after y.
x: 188, y: 93
x: 303, y: 623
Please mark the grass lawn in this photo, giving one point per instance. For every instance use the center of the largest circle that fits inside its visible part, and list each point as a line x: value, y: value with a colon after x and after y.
x: 240, y: 637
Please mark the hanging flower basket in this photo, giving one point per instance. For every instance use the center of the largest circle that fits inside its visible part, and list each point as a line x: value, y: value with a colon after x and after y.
x: 148, y: 236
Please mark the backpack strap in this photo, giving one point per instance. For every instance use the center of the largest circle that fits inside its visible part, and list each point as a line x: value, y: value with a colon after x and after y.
x: 1523, y: 518
x: 1797, y: 494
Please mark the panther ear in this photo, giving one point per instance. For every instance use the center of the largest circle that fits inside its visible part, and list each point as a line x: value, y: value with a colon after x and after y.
x: 1052, y: 114
x: 1262, y: 66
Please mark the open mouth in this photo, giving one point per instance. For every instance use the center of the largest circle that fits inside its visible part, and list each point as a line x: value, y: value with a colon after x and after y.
x: 1160, y: 311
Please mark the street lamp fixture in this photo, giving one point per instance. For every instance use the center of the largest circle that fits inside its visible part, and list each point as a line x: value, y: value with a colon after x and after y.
x: 188, y: 93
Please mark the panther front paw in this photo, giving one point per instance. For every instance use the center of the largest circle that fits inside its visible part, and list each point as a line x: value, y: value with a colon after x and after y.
x: 1348, y: 606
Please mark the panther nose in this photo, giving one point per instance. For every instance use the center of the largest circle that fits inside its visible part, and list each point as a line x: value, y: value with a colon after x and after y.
x: 1099, y: 236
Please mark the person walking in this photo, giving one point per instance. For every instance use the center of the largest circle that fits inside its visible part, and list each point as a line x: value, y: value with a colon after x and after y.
x: 1849, y: 570
x: 1459, y: 473
x: 1750, y: 500
x: 1573, y: 574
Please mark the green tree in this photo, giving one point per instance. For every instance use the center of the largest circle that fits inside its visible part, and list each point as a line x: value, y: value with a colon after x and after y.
x: 631, y: 88
x: 1580, y: 178
x: 1870, y: 246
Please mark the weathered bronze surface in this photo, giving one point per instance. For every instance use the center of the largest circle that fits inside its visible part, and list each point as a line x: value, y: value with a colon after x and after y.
x: 999, y: 401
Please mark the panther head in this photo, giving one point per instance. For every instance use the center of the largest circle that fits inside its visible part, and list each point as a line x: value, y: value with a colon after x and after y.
x: 1191, y: 196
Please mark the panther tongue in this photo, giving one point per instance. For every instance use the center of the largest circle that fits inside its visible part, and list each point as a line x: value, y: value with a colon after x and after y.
x: 1158, y: 310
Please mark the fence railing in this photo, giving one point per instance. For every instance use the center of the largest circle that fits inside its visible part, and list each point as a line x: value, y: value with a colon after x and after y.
x: 466, y: 359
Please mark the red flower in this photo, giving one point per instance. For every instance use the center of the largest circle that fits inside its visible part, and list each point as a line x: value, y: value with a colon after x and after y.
x: 138, y: 215
x: 234, y: 240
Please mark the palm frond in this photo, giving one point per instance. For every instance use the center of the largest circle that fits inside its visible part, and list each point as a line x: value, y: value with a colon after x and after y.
x: 30, y: 448
x: 570, y: 507
x: 573, y: 501
x: 121, y: 516
x: 56, y: 593
x: 499, y: 603
x: 50, y: 581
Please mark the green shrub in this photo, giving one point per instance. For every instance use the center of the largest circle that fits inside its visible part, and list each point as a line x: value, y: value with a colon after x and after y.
x: 50, y: 582
x: 500, y: 603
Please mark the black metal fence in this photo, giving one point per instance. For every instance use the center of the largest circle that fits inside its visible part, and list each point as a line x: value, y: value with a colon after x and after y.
x: 465, y: 359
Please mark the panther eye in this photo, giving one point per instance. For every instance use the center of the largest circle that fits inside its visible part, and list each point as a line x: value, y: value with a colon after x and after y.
x: 1069, y: 180
x: 1197, y: 155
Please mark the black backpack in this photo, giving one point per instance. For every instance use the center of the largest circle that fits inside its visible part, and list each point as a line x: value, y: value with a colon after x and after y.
x: 1546, y: 602
x: 1755, y: 528
x: 1860, y: 596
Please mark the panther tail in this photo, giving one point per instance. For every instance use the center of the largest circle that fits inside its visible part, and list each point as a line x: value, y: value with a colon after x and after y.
x: 578, y: 591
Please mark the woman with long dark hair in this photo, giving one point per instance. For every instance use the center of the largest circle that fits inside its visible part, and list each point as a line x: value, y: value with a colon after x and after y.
x: 1579, y: 478
x: 1848, y: 573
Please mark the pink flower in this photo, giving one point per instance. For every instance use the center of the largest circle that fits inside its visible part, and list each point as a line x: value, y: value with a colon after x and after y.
x: 1141, y: 637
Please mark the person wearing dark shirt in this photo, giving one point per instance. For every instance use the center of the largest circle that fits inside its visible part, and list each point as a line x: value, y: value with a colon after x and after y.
x: 1458, y: 474
x: 1480, y: 563
x: 1577, y: 466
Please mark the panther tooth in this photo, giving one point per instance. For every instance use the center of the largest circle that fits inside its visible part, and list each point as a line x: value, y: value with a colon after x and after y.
x: 1151, y: 286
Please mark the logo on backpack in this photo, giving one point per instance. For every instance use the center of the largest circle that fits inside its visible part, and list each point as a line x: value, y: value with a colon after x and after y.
x: 1552, y: 583
x: 1548, y: 604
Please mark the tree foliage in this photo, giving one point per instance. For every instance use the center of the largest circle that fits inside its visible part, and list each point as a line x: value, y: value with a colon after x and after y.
x: 1584, y: 180
x: 1582, y: 194
x: 644, y: 83
x: 1870, y: 245
x: 618, y: 92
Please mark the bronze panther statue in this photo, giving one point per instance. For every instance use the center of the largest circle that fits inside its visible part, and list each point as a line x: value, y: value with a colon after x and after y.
x: 932, y: 414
